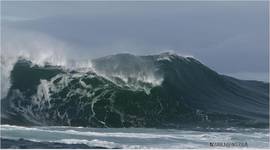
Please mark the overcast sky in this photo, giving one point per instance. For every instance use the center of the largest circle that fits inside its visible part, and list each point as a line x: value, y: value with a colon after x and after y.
x: 229, y: 37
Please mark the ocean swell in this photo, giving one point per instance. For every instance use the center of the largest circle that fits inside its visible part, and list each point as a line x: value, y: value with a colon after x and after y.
x: 124, y: 90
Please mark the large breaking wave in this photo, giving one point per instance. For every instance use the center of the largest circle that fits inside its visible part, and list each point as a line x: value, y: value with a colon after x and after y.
x: 124, y: 90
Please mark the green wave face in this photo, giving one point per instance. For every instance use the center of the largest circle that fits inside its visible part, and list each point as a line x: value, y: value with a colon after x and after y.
x: 133, y: 91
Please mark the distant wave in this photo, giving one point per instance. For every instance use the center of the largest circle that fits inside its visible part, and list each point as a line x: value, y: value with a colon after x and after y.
x: 125, y: 90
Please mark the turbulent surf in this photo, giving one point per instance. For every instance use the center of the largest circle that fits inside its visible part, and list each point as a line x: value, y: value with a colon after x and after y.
x: 125, y: 90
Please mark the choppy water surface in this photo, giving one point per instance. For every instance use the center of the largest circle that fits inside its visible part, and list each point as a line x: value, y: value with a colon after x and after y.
x: 139, y: 137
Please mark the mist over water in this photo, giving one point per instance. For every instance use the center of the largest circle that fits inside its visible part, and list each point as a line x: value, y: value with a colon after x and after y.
x: 42, y: 49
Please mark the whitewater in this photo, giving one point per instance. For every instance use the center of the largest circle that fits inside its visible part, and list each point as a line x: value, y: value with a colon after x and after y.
x: 139, y: 137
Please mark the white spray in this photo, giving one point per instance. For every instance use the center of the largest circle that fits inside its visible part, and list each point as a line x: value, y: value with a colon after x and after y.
x: 37, y: 47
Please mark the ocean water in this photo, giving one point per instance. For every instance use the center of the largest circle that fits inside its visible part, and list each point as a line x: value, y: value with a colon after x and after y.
x: 121, y: 91
x: 141, y: 137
